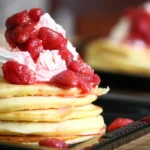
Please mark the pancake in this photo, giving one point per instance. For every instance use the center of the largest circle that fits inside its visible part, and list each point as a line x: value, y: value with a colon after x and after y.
x: 33, y: 140
x: 30, y: 113
x: 40, y: 102
x: 41, y: 89
x: 74, y: 127
x: 52, y: 115
x: 107, y: 55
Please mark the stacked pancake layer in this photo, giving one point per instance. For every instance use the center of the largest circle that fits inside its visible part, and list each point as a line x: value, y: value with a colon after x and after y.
x: 29, y: 113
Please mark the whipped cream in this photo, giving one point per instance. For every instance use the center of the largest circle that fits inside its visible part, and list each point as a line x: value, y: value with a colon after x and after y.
x: 49, y: 62
x: 120, y: 30
x: 147, y: 6
x: 48, y: 65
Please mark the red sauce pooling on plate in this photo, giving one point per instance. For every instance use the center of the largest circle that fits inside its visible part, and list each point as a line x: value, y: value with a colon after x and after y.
x: 53, y: 142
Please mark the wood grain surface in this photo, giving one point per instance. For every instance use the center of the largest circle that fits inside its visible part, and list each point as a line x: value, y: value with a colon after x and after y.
x: 142, y: 143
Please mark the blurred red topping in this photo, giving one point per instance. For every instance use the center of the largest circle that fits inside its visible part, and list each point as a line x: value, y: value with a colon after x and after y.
x: 118, y: 123
x: 140, y: 25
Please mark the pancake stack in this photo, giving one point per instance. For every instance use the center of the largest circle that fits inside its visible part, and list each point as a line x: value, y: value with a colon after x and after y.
x: 30, y: 113
x: 106, y: 55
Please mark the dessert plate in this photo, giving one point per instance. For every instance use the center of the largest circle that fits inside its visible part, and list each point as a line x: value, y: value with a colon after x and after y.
x: 143, y: 100
x: 110, y: 140
x: 123, y: 105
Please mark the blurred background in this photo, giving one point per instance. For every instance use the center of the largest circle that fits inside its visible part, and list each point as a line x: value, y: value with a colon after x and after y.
x: 81, y: 17
x: 84, y: 21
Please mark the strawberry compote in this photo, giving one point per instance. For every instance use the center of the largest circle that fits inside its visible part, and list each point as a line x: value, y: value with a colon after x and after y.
x: 40, y: 52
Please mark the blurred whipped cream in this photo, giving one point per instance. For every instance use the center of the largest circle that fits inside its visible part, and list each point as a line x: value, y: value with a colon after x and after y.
x: 120, y: 30
x: 49, y: 62
x: 146, y: 6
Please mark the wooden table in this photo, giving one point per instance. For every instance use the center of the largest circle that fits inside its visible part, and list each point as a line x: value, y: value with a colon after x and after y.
x: 142, y: 143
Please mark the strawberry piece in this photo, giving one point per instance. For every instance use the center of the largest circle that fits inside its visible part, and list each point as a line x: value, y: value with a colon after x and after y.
x: 19, y: 36
x: 118, y: 123
x: 35, y: 14
x: 87, y: 82
x: 34, y: 47
x: 51, y: 39
x: 9, y: 39
x: 22, y: 33
x: 53, y: 142
x: 65, y: 79
x: 79, y: 58
x: 66, y: 54
x: 80, y: 67
x: 94, y: 80
x: 84, y: 85
x: 30, y: 29
x: 18, y: 19
x: 22, y: 46
x: 18, y: 73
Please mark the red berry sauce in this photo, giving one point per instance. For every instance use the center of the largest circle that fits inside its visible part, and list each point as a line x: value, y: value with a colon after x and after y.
x: 53, y: 143
x: 21, y: 33
x: 140, y: 25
